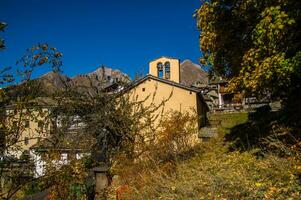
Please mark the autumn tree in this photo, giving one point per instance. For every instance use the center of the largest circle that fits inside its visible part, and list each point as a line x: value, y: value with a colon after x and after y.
x: 2, y: 27
x: 16, y: 105
x: 102, y: 121
x: 255, y: 43
x: 107, y: 124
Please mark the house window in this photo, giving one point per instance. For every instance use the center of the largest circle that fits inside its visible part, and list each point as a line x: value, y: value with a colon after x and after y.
x: 15, y: 124
x: 167, y: 70
x: 109, y: 78
x: 205, y: 139
x: 40, y: 124
x: 160, y: 70
x: 26, y: 140
x: 143, y: 89
x: 26, y: 124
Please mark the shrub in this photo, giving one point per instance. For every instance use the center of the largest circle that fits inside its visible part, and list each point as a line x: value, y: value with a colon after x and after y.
x: 176, y: 136
x: 173, y: 140
x: 214, y: 172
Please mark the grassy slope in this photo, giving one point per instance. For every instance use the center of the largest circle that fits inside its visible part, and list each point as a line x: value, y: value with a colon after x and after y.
x: 214, y: 172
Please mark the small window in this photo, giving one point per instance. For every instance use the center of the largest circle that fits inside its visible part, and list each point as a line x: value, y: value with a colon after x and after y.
x: 40, y: 124
x: 205, y: 139
x: 143, y: 89
x: 109, y: 78
x: 26, y: 140
x: 15, y: 124
x: 26, y: 124
x: 190, y: 92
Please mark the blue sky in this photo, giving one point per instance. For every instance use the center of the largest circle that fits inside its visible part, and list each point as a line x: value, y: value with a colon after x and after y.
x: 122, y: 34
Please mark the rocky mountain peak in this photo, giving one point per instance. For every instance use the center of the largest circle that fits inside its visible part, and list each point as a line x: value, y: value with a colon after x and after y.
x: 102, y: 77
x: 192, y: 74
x: 108, y: 74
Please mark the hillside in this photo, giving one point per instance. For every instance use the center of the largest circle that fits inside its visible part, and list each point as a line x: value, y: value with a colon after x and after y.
x: 193, y: 74
x: 100, y: 78
x: 214, y: 171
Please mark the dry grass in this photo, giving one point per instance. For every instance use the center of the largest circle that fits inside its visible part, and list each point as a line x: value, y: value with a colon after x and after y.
x: 214, y: 172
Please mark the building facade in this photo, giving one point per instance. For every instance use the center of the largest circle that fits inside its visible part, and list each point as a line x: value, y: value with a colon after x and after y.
x: 163, y: 84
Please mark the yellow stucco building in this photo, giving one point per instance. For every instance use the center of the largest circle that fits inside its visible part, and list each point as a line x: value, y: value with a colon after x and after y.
x: 162, y: 84
x: 27, y: 127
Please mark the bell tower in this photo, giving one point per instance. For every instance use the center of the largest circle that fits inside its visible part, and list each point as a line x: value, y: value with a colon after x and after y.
x: 166, y: 68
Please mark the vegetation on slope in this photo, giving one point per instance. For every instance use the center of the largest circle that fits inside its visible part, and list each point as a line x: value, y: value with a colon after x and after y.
x: 213, y: 171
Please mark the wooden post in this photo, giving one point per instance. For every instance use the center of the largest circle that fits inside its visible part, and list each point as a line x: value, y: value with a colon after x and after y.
x: 101, y: 182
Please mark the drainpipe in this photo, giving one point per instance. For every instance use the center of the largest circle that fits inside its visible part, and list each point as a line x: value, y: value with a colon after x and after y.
x: 219, y: 96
